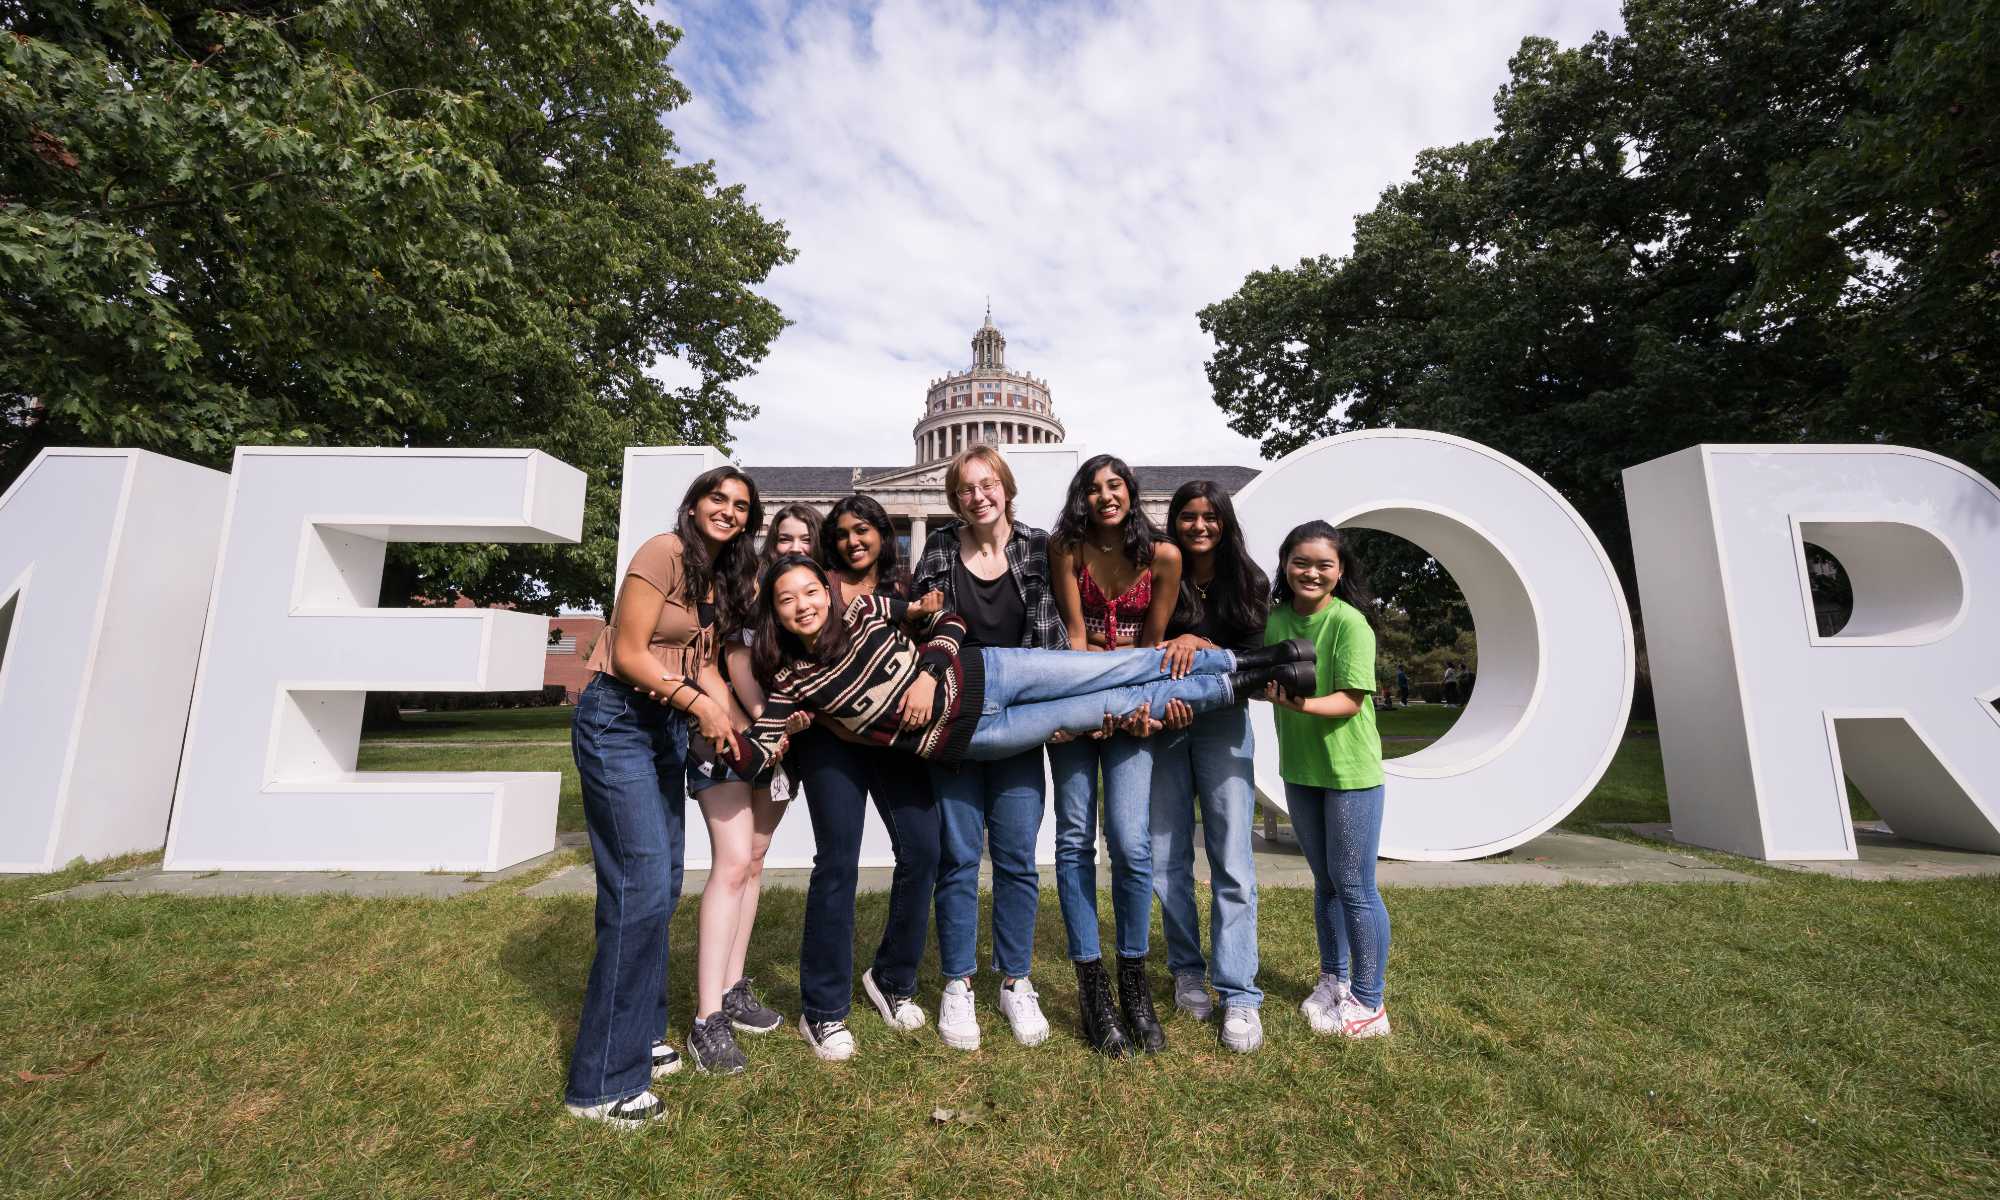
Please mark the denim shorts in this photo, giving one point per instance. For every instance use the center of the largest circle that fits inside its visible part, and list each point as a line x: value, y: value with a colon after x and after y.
x: 703, y: 774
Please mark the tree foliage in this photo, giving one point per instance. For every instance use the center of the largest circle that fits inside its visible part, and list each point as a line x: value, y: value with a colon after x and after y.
x: 1734, y: 221
x: 363, y: 222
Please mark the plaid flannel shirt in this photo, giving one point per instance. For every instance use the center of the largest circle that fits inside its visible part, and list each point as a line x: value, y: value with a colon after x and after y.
x: 1027, y: 562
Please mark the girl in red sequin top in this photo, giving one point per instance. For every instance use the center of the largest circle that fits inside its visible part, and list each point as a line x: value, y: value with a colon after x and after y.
x: 1115, y: 580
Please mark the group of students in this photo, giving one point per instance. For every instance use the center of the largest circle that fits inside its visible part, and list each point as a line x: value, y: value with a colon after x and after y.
x: 822, y: 668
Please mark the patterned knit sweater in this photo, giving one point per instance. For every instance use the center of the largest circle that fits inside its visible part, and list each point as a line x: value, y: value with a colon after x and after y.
x: 864, y: 687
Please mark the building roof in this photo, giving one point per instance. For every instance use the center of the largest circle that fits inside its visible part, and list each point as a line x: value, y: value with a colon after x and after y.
x: 836, y: 481
x: 1165, y: 480
x: 810, y: 481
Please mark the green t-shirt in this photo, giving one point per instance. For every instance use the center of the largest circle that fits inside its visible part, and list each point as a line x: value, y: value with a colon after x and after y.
x: 1330, y: 752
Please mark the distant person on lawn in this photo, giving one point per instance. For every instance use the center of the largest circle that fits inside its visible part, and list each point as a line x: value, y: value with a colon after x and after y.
x: 1330, y: 758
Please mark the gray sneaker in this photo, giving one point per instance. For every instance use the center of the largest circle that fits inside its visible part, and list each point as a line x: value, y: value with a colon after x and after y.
x: 1191, y: 995
x: 1242, y: 1029
x: 746, y: 1012
x: 712, y: 1045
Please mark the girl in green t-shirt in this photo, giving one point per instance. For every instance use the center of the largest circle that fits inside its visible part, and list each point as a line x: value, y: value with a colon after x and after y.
x: 1330, y: 758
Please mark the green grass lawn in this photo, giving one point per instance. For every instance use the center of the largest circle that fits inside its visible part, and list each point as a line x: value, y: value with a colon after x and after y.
x: 1630, y: 791
x: 482, y: 725
x: 1804, y: 1036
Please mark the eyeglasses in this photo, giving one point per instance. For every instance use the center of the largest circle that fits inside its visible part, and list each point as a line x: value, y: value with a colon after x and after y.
x: 991, y: 487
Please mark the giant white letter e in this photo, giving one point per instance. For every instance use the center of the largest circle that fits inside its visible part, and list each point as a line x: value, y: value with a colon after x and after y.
x: 295, y: 641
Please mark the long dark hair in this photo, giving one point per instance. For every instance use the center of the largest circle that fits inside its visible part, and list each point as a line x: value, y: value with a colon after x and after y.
x: 732, y: 573
x: 1239, y: 593
x: 1074, y: 522
x: 891, y: 578
x: 1353, y: 585
x: 772, y: 646
x: 804, y: 514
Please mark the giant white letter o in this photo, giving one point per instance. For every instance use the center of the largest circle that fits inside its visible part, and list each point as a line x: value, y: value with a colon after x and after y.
x: 1555, y: 635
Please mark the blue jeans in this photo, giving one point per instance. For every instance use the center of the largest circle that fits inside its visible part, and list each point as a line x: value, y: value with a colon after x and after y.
x: 838, y: 778
x: 631, y: 753
x: 997, y: 803
x: 1210, y: 762
x: 1033, y: 694
x: 1127, y: 764
x: 1341, y: 832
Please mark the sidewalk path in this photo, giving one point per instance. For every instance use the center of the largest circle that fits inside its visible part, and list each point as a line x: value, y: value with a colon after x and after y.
x: 1556, y: 857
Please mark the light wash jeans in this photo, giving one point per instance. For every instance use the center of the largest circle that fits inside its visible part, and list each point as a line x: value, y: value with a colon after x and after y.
x: 1032, y: 695
x: 994, y: 806
x: 1341, y: 832
x: 1210, y: 762
x: 1127, y: 764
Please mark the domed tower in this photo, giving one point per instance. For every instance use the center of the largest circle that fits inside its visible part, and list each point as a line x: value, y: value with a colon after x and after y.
x: 987, y: 402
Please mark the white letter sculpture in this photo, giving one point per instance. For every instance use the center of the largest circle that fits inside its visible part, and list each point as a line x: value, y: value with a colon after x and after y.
x: 294, y: 640
x: 105, y: 563
x: 656, y: 477
x: 1555, y: 636
x: 1760, y: 716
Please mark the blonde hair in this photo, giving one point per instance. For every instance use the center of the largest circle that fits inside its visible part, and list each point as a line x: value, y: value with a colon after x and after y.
x: 995, y: 462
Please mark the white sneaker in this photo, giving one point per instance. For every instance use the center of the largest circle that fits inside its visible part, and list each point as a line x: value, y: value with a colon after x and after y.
x: 1191, y: 995
x: 1022, y: 1007
x: 666, y: 1060
x: 957, y: 1024
x: 1358, y: 1021
x: 831, y: 1040
x: 1242, y: 1029
x: 901, y: 1012
x: 1322, y: 1008
x: 633, y: 1112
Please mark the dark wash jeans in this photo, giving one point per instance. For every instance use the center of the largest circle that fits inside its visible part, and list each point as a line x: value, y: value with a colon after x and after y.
x: 839, y: 777
x: 631, y: 752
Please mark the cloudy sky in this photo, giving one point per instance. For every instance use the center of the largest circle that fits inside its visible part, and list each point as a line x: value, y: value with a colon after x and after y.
x: 1103, y: 170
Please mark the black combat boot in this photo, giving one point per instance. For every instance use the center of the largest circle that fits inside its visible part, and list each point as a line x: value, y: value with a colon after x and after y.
x: 1135, y: 999
x: 1298, y: 679
x: 1100, y: 1017
x: 1295, y: 650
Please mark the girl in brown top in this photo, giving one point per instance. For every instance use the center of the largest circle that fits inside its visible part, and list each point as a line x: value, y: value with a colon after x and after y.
x: 631, y: 754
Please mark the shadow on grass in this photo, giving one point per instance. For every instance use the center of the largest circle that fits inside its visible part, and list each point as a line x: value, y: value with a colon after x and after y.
x: 549, y: 957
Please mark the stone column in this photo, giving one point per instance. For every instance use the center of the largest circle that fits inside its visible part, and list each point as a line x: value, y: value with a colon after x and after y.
x: 918, y: 531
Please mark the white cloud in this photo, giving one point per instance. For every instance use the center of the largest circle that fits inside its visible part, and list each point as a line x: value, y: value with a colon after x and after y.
x: 1103, y: 171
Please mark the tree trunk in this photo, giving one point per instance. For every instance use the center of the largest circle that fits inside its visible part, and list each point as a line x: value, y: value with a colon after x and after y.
x: 399, y: 582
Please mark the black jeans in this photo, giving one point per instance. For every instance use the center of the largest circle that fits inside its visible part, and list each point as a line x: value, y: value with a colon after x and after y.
x: 838, y: 778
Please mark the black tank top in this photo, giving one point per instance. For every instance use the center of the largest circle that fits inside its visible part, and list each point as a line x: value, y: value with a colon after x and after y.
x: 991, y: 608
